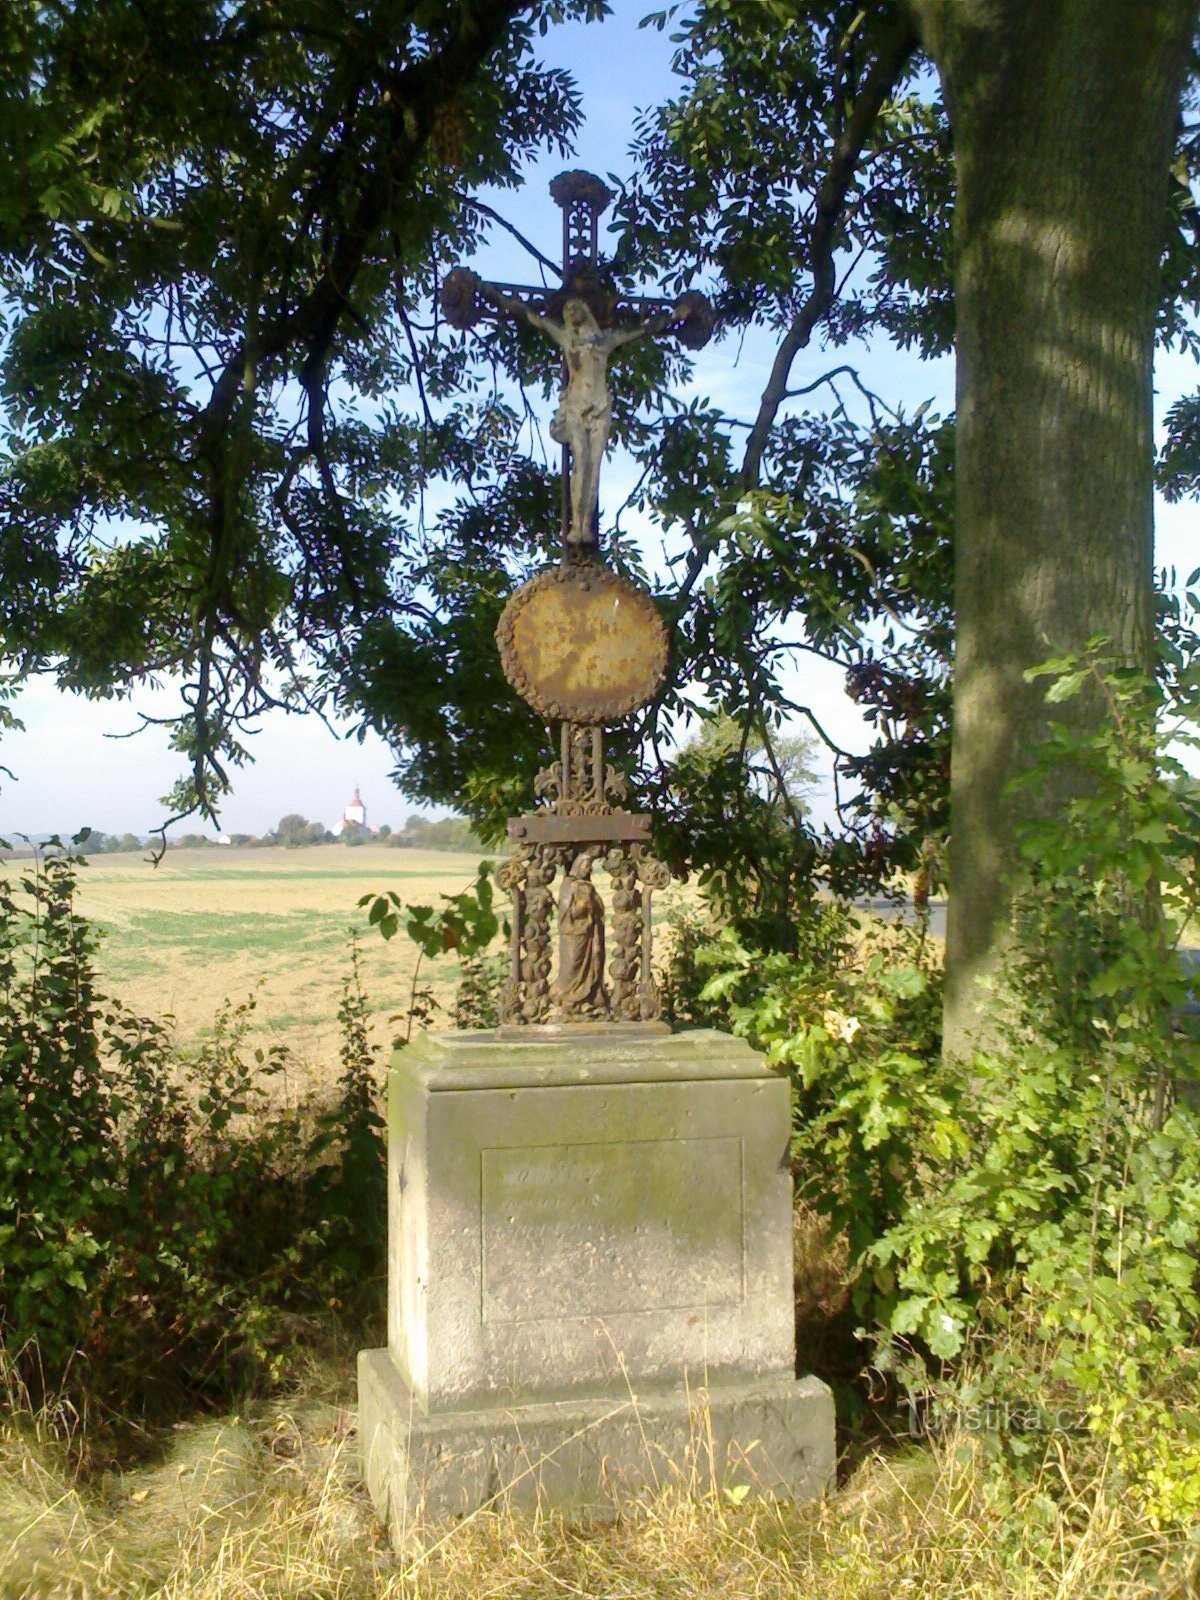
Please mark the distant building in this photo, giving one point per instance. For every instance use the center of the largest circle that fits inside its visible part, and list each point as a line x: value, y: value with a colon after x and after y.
x: 354, y: 821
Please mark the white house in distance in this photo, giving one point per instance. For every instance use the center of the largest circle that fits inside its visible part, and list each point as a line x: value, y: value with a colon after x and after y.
x: 354, y: 821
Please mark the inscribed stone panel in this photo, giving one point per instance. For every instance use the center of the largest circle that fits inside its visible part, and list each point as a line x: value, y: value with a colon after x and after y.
x: 593, y: 1230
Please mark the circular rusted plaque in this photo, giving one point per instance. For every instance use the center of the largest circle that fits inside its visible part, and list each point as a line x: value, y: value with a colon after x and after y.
x: 582, y: 644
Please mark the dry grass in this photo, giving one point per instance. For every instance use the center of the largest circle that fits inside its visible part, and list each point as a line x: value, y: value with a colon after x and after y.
x: 270, y: 1507
x: 206, y: 925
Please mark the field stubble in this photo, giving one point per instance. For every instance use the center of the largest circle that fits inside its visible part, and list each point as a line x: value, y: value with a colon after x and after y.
x: 205, y: 926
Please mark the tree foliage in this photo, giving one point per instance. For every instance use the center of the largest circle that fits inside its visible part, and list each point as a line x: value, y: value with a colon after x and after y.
x: 239, y: 445
x: 738, y: 801
x: 219, y: 223
x: 294, y: 831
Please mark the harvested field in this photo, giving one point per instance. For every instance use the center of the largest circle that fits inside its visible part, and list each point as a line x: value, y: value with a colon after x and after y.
x: 275, y: 924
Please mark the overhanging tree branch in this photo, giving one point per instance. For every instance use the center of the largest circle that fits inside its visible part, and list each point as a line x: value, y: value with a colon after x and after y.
x: 414, y: 95
x: 895, y: 50
x: 410, y: 97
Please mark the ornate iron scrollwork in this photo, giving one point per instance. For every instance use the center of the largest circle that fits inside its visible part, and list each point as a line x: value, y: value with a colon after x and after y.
x: 581, y: 826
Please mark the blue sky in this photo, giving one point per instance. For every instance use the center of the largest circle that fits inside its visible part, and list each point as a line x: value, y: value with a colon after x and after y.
x: 73, y: 767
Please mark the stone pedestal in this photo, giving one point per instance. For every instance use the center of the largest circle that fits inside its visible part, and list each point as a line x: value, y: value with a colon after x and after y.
x: 590, y: 1278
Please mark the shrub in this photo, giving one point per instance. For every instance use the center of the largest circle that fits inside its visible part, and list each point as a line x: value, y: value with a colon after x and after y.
x: 691, y: 952
x: 347, y: 1188
x: 855, y: 1017
x: 159, y: 1216
x: 477, y: 1000
x: 1026, y: 1225
x: 1060, y: 1243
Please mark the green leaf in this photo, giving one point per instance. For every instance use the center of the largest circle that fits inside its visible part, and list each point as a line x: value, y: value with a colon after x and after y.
x: 1065, y: 687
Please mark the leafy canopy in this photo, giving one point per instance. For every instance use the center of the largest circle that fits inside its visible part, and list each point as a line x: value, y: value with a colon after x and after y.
x: 239, y: 447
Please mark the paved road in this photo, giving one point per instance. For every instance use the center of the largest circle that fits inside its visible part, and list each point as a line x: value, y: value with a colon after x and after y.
x: 902, y: 910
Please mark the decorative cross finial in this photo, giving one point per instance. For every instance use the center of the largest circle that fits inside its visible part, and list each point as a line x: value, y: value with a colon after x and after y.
x: 584, y: 200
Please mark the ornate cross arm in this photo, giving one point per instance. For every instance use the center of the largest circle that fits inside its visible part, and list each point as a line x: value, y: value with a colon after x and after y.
x: 467, y: 299
x: 587, y: 321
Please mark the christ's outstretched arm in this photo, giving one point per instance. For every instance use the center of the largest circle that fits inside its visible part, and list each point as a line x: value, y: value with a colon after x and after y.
x: 517, y: 309
x: 583, y: 419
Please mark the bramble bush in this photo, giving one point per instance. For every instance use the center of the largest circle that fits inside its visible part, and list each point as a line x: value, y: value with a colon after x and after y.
x: 1025, y: 1226
x: 1060, y: 1250
x: 161, y: 1220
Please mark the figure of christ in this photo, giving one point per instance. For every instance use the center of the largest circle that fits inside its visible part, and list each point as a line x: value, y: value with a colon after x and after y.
x: 579, y: 990
x: 584, y: 417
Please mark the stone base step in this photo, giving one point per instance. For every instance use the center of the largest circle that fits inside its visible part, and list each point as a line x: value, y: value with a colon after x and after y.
x: 774, y: 1435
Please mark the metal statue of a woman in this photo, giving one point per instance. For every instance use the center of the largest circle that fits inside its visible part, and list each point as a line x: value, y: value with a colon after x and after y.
x: 579, y: 989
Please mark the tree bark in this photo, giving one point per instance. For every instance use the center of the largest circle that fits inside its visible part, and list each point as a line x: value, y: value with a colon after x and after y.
x: 1062, y: 113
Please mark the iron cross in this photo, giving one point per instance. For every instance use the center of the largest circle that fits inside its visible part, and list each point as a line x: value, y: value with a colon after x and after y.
x: 587, y: 321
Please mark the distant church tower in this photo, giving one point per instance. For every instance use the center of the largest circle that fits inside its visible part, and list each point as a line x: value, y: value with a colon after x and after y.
x: 354, y: 819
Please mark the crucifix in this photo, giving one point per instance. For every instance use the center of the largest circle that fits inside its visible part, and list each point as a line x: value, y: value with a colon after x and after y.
x: 586, y: 648
x: 588, y: 323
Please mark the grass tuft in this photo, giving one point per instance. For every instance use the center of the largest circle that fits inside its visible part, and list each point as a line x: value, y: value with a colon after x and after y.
x: 268, y: 1505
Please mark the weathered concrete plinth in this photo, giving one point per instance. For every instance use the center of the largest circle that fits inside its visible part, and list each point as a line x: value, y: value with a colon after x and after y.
x: 589, y: 1455
x: 590, y: 1279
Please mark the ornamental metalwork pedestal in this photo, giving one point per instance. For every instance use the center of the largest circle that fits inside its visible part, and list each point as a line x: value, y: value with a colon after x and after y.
x: 583, y: 646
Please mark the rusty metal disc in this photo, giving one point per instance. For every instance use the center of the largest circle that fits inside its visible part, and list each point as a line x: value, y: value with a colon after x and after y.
x: 582, y: 644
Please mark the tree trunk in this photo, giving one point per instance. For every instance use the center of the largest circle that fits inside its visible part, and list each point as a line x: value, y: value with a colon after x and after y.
x: 1063, y: 114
